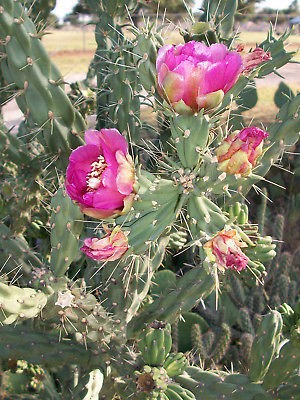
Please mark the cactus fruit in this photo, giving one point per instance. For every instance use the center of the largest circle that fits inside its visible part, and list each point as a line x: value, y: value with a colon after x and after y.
x: 152, y: 380
x: 21, y: 377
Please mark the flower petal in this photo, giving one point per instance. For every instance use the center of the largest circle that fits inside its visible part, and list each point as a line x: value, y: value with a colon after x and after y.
x: 125, y: 177
x: 112, y: 140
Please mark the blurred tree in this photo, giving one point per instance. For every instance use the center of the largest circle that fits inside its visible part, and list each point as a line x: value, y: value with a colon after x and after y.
x: 294, y: 7
x: 82, y: 8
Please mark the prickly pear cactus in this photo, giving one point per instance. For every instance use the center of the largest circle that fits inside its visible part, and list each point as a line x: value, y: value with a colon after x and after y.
x: 118, y: 241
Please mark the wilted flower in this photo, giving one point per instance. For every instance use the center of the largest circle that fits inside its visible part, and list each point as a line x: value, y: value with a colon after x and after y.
x: 109, y: 248
x: 254, y: 58
x: 239, y: 151
x: 64, y: 299
x: 225, y: 250
x: 192, y: 76
x: 100, y: 176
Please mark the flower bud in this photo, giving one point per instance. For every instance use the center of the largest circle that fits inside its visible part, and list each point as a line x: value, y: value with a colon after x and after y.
x: 224, y: 249
x: 109, y: 248
x: 254, y: 58
x: 239, y: 152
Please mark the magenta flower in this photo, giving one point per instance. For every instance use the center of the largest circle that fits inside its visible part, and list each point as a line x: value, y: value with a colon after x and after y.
x: 225, y: 250
x: 109, y: 248
x: 239, y: 152
x: 100, y: 176
x: 192, y: 76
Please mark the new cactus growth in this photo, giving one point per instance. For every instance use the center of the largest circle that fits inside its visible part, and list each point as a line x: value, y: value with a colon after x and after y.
x: 138, y: 244
x: 155, y: 343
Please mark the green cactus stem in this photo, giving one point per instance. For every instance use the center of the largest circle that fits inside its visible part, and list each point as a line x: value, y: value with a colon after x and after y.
x: 18, y: 304
x: 214, y: 385
x: 43, y: 348
x: 16, y: 255
x: 282, y: 367
x: 66, y: 226
x: 189, y: 289
x: 41, y: 95
x: 265, y: 345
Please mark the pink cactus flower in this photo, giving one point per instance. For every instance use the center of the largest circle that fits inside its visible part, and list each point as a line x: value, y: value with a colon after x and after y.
x: 109, y: 248
x: 100, y: 176
x: 225, y: 250
x: 193, y: 76
x: 239, y: 152
x: 254, y: 59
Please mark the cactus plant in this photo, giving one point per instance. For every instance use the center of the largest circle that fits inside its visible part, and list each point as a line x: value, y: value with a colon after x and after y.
x: 99, y: 321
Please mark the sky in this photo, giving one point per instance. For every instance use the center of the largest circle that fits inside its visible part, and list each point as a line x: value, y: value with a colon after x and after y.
x: 63, y: 7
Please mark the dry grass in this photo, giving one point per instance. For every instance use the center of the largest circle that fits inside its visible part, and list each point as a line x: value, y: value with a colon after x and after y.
x: 72, y: 50
x: 79, y: 39
x: 265, y: 110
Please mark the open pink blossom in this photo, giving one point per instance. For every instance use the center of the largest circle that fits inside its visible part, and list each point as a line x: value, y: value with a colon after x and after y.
x: 100, y: 176
x: 225, y: 250
x: 109, y: 248
x: 192, y: 76
x: 239, y: 152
